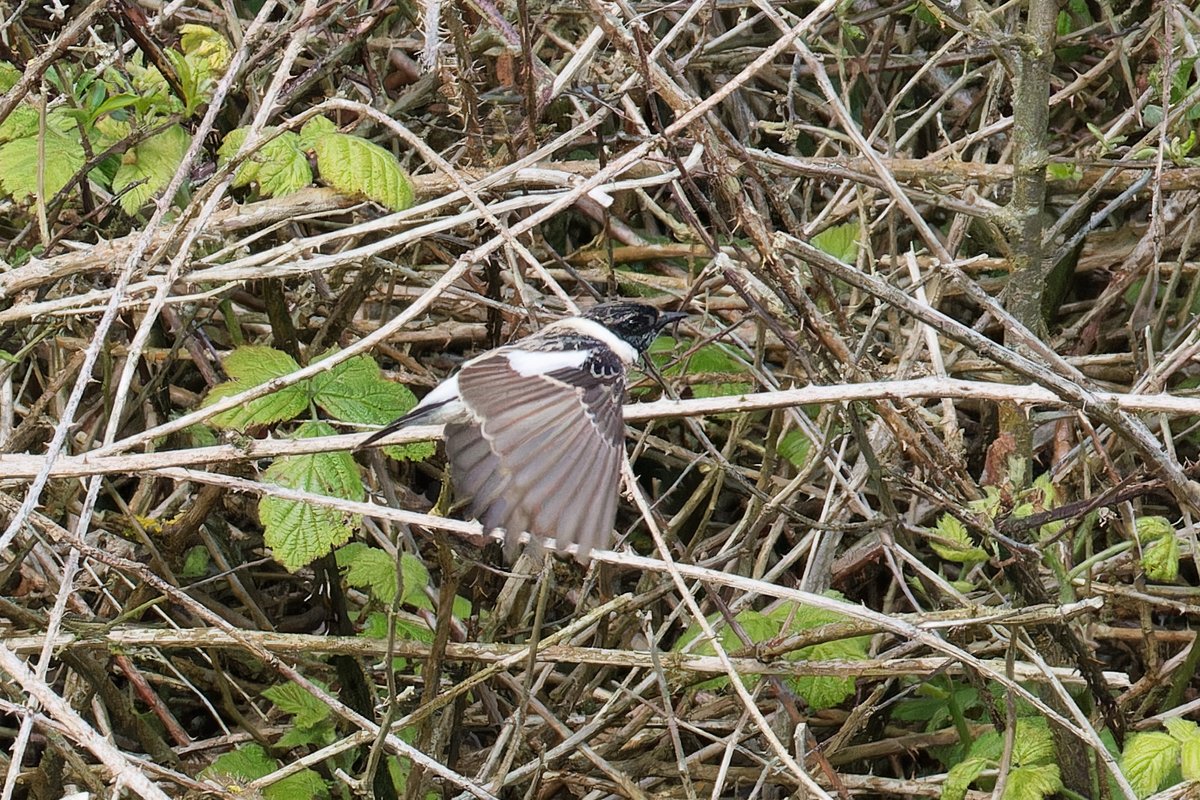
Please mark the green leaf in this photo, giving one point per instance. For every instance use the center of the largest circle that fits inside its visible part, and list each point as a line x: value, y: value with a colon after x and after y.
x: 707, y: 360
x: 299, y: 533
x: 252, y: 366
x: 826, y: 691
x: 369, y: 568
x: 280, y: 166
x: 1150, y: 529
x: 1182, y: 730
x: 1148, y: 760
x: 249, y: 762
x: 306, y: 784
x: 150, y: 165
x: 951, y: 542
x: 206, y: 43
x: 1160, y: 560
x: 354, y: 166
x: 840, y: 241
x: 795, y: 447
x: 114, y: 103
x: 416, y: 580
x: 1032, y: 782
x: 989, y: 504
x: 961, y: 776
x: 294, y: 699
x: 22, y: 122
x: 356, y: 391
x: 19, y: 163
x: 195, y: 562
x: 9, y: 75
x: 1034, y: 744
x: 758, y: 626
x: 315, y: 129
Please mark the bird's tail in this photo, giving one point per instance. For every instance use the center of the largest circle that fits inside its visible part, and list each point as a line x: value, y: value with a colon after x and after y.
x: 414, y: 417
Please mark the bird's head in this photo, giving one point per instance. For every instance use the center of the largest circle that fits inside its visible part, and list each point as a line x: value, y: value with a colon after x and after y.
x: 635, y: 323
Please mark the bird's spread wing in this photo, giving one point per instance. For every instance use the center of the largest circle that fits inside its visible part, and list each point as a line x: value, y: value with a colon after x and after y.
x: 541, y: 453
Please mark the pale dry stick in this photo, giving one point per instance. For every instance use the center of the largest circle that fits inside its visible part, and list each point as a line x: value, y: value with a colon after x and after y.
x: 215, y: 195
x: 237, y: 271
x: 84, y: 516
x: 20, y: 465
x: 950, y: 429
x: 125, y: 774
x: 432, y: 157
x: 512, y: 659
x: 1185, y: 491
x: 34, y: 491
x: 618, y: 165
x: 672, y: 569
x: 369, y: 728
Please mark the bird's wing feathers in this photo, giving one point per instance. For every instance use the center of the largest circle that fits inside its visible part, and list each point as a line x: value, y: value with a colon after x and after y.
x: 541, y: 452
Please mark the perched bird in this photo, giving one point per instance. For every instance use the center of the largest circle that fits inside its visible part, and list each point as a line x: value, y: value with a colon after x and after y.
x: 534, y: 432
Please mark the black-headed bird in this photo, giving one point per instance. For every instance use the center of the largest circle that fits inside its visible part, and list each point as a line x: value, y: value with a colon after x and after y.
x: 534, y: 432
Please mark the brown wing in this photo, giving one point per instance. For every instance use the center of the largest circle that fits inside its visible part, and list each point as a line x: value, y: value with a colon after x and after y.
x: 543, y: 452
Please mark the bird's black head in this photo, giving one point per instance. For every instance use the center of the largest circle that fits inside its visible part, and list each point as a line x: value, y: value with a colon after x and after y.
x: 635, y: 323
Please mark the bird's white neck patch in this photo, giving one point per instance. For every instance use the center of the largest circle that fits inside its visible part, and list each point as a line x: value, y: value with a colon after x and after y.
x: 589, y: 327
x: 529, y: 363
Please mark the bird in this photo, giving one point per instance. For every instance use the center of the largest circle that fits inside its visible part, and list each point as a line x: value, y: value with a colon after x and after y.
x: 534, y: 429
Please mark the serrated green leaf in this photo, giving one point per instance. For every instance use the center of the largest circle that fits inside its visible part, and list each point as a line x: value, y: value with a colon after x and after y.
x: 961, y: 776
x: 1062, y: 171
x: 306, y: 784
x: 795, y: 447
x: 9, y: 75
x: 315, y: 129
x: 356, y: 391
x: 1148, y: 760
x: 230, y: 145
x: 294, y: 699
x: 708, y: 359
x: 1150, y: 529
x: 416, y: 580
x: 1034, y: 744
x: 951, y: 542
x: 248, y: 762
x: 839, y: 241
x: 254, y: 365
x: 150, y: 165
x: 19, y: 161
x: 1160, y: 560
x: 989, y: 745
x: 279, y: 167
x: 206, y: 43
x: 369, y: 568
x: 1189, y: 757
x: 321, y: 734
x: 1032, y: 782
x: 22, y: 122
x: 195, y: 562
x: 826, y: 691
x: 299, y: 533
x: 354, y: 166
x: 1182, y: 730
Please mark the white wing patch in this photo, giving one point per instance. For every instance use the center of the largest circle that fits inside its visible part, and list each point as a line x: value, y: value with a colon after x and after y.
x: 530, y: 363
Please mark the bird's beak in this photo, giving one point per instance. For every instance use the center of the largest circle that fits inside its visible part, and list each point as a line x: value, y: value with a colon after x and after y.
x: 671, y: 317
